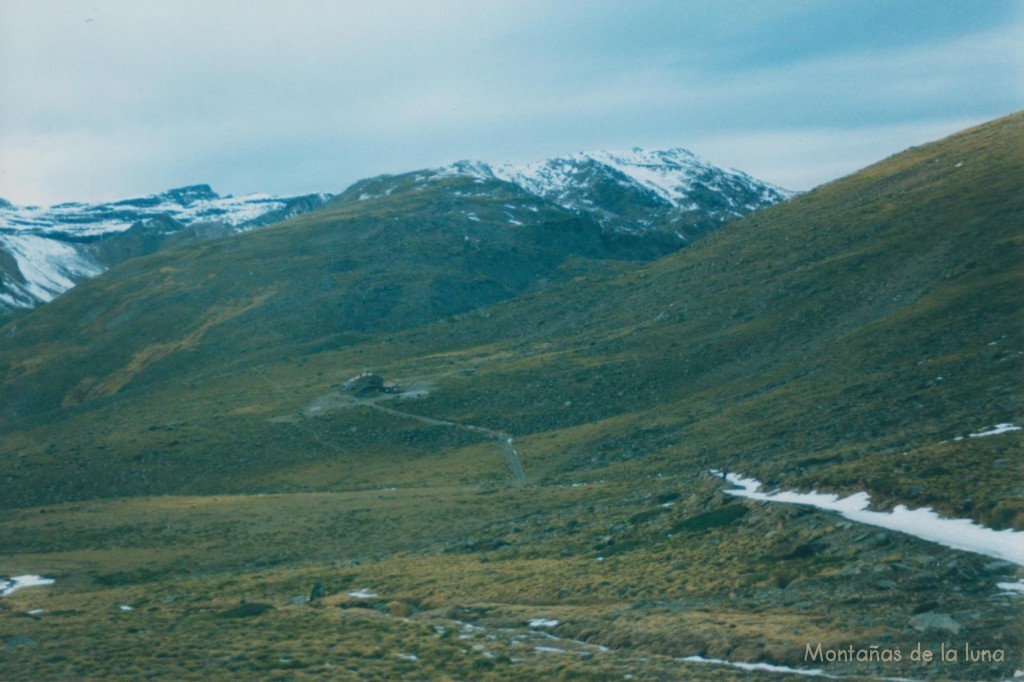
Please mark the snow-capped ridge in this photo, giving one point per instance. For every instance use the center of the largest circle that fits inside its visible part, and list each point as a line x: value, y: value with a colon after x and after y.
x: 186, y: 205
x: 44, y: 251
x: 674, y: 178
x: 479, y: 170
x: 672, y: 175
x: 670, y: 194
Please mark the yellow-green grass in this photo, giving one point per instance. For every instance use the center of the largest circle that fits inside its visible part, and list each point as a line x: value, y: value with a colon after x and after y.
x: 212, y: 583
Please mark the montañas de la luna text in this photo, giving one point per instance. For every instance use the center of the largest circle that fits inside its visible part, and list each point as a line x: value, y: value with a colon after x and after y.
x: 965, y: 654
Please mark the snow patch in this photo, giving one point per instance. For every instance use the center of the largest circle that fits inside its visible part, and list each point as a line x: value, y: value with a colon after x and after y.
x: 924, y: 523
x: 767, y: 667
x: 549, y: 650
x: 994, y: 431
x: 543, y: 623
x: 21, y: 581
x: 362, y: 594
x: 467, y: 629
x: 1012, y: 588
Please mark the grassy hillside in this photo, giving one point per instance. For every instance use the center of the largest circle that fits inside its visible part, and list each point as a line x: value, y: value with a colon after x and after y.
x: 321, y: 281
x: 173, y: 438
x: 862, y: 328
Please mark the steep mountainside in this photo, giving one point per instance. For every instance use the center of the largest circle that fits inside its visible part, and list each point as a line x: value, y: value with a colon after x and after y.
x: 44, y: 251
x: 174, y: 435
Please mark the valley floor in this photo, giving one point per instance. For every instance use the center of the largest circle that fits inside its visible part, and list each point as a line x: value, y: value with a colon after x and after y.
x: 589, y: 580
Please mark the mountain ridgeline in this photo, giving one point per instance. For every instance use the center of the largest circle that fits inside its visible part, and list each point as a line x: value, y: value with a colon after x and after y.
x: 666, y: 197
x: 564, y: 393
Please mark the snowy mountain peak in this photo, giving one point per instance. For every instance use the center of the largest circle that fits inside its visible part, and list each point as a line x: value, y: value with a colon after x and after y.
x: 672, y: 175
x: 640, y: 190
x: 674, y: 178
x: 640, y: 157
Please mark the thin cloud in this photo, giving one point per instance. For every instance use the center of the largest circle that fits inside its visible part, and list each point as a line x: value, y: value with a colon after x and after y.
x: 808, y: 157
x: 111, y: 98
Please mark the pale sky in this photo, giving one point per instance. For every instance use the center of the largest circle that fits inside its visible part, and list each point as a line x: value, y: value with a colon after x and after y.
x: 110, y: 99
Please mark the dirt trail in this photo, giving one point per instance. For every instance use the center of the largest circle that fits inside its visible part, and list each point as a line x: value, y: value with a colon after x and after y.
x: 338, y: 401
x: 505, y: 440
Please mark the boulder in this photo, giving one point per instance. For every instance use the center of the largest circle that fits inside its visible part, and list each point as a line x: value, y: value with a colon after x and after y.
x: 934, y: 621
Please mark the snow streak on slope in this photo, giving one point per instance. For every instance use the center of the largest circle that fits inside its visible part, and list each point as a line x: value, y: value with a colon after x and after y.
x: 961, y: 534
x: 47, y: 267
x: 22, y: 581
x: 44, y: 251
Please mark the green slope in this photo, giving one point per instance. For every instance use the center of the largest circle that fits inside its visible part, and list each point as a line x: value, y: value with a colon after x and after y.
x: 844, y: 341
x: 834, y: 340
x: 345, y: 272
x: 874, y: 317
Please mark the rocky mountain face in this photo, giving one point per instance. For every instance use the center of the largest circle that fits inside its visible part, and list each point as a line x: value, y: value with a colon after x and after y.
x: 45, y: 251
x: 643, y: 201
x: 655, y: 193
x: 671, y: 191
